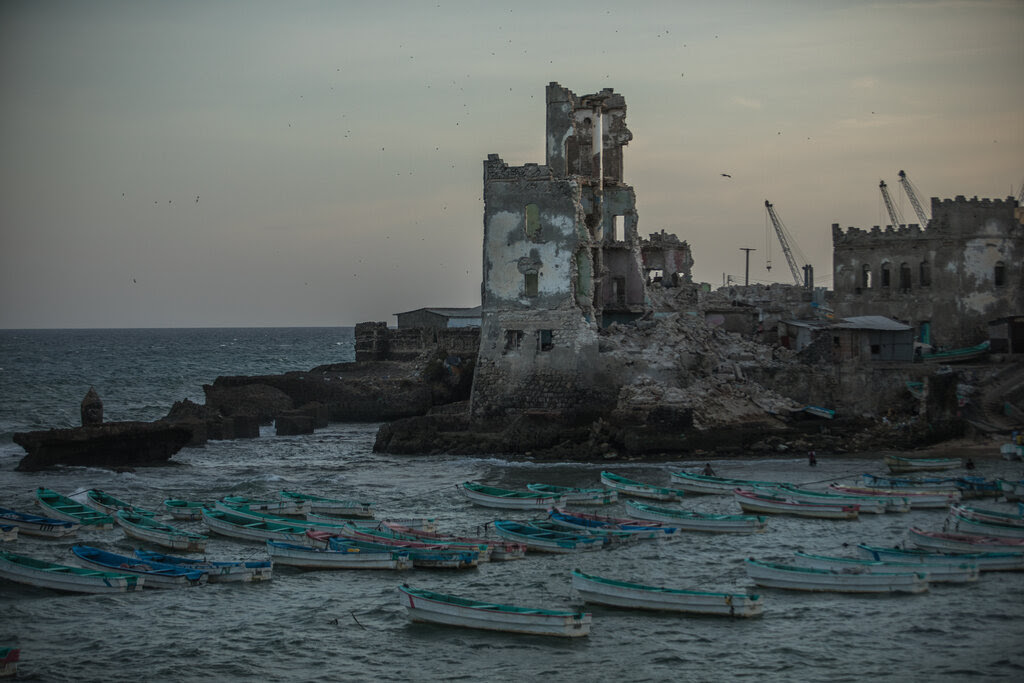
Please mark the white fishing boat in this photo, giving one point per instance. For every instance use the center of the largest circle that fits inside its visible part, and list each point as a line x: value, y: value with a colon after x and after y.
x: 185, y: 510
x: 1012, y: 489
x: 867, y: 504
x: 30, y: 571
x: 964, y: 572
x: 763, y: 503
x: 245, y: 528
x: 494, y: 497
x: 35, y: 525
x: 959, y: 524
x: 500, y: 550
x: 990, y: 516
x: 103, y: 502
x: 639, y: 489
x: 790, y: 577
x: 898, y: 464
x: 439, y: 608
x: 577, y: 496
x: 546, y: 541
x: 611, y: 592
x: 705, y: 483
x: 286, y: 507
x: 987, y: 562
x: 331, y: 506
x: 964, y: 543
x: 689, y: 520
x: 918, y: 499
x: 351, y: 557
x: 148, y: 529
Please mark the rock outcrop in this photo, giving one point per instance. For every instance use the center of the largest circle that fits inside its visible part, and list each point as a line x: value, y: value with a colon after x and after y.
x: 112, y: 445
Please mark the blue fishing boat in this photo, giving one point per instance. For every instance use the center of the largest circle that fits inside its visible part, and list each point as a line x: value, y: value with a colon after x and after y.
x: 544, y: 540
x: 228, y: 571
x: 35, y: 525
x: 157, y: 574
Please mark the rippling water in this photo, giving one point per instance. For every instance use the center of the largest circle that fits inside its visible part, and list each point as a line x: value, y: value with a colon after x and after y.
x: 329, y: 626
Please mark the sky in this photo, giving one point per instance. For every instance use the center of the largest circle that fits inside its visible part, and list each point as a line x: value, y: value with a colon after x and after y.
x: 214, y: 163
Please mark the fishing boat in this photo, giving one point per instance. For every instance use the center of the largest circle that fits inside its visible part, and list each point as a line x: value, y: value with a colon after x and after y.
x: 439, y: 608
x: 424, y: 524
x: 388, y: 536
x: 987, y: 515
x: 818, y: 411
x: 960, y: 355
x: 35, y: 525
x: 577, y: 496
x: 431, y: 558
x: 186, y: 510
x: 917, y: 499
x: 987, y: 562
x: 101, y: 501
x: 614, y: 593
x: 1012, y: 489
x: 331, y: 506
x: 867, y: 504
x: 545, y: 541
x: 763, y: 503
x: 958, y: 523
x: 610, y: 535
x: 790, y: 577
x: 217, y: 571
x: 9, y: 657
x: 286, y: 507
x: 500, y: 550
x: 62, y: 507
x: 639, y: 528
x: 494, y: 497
x: 977, y: 487
x: 898, y: 464
x: 639, y: 489
x: 964, y: 572
x: 148, y: 529
x: 245, y: 528
x: 964, y: 543
x: 705, y: 483
x: 156, y: 574
x: 351, y: 557
x: 42, y: 574
x: 881, y: 481
x: 1012, y: 451
x: 689, y: 520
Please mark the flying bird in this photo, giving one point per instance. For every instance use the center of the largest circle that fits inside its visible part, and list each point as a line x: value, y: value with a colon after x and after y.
x: 725, y: 175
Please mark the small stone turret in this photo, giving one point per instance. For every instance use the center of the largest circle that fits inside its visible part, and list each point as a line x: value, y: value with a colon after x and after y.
x: 92, y: 409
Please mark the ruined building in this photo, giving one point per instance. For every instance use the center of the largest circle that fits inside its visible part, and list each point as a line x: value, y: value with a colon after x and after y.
x: 947, y: 281
x: 562, y: 257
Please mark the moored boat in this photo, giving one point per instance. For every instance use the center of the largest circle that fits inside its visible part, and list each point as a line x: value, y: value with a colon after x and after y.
x: 1013, y: 489
x: 917, y: 499
x: 9, y: 657
x: 964, y: 572
x: 388, y: 536
x: 639, y: 489
x: 245, y: 528
x: 350, y: 557
x: 433, y: 558
x: 881, y: 481
x: 62, y: 507
x: 763, y: 503
x: 286, y: 507
x: 542, y: 540
x: 501, y: 550
x: 36, y: 525
x: 986, y: 561
x: 705, y: 483
x: 331, y: 506
x: 987, y: 515
x: 494, y: 497
x: 101, y: 501
x: 148, y: 529
x: 452, y: 610
x: 640, y: 528
x: 577, y: 496
x: 689, y: 520
x: 867, y: 504
x: 614, y: 593
x: 217, y: 571
x: 956, y: 522
x: 184, y: 509
x: 964, y: 543
x: 157, y: 574
x: 790, y: 577
x: 898, y: 464
x: 42, y: 574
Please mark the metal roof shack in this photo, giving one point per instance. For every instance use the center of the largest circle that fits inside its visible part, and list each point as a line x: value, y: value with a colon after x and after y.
x: 866, y: 337
x: 439, y: 318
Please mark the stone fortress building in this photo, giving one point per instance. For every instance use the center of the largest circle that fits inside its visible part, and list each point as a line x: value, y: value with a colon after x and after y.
x: 948, y: 280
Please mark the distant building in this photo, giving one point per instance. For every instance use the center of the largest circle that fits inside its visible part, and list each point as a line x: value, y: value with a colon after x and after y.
x: 439, y: 318
x: 867, y: 338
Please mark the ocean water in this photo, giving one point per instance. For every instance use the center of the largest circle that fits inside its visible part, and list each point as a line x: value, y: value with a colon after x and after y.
x: 349, y: 625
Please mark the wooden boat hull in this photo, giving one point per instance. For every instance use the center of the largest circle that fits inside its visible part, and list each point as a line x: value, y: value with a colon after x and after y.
x: 157, y: 575
x: 493, y: 497
x: 687, y: 520
x: 603, y: 591
x: 41, y: 574
x: 62, y: 507
x: 987, y: 562
x: 305, y: 557
x: 750, y: 501
x: 438, y: 608
x: 964, y: 572
x: 639, y: 489
x: 242, y: 571
x: 36, y: 525
x: 164, y: 535
x: 788, y: 577
x: 900, y: 465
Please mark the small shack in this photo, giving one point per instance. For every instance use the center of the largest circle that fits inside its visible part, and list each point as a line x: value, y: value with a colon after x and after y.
x: 865, y: 337
x: 439, y: 318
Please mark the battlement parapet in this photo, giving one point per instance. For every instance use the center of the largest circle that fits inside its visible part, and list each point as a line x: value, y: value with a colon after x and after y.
x: 496, y: 169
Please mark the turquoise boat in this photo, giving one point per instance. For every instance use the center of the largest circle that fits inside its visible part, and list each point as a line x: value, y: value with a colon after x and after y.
x: 62, y: 507
x: 639, y: 489
x: 600, y: 590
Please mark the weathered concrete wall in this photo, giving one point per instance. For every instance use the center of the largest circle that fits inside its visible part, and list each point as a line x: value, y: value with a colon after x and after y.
x: 377, y: 342
x: 947, y: 281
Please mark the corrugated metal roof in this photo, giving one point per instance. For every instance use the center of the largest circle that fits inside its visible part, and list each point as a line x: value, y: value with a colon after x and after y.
x: 858, y: 322
x: 449, y: 312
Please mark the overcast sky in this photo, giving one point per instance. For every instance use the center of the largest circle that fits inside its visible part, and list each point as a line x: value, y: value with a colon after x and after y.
x: 175, y: 164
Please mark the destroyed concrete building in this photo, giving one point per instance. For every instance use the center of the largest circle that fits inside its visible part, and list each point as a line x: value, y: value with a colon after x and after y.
x: 561, y: 258
x: 947, y: 280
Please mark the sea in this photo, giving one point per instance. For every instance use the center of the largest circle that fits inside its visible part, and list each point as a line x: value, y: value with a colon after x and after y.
x: 350, y: 625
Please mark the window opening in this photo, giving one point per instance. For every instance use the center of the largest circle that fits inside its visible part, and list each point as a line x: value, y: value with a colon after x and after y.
x: 999, y: 274
x: 619, y: 290
x: 619, y: 228
x: 532, y: 221
x: 530, y: 283
x: 905, y: 277
x: 513, y: 340
x: 545, y: 340
x: 885, y: 275
x: 926, y: 274
x: 865, y: 276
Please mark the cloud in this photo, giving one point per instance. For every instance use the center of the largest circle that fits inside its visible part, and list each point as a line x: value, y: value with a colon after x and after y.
x: 746, y: 102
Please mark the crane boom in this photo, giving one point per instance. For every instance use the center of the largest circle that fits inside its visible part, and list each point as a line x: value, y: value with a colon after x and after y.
x: 894, y: 215
x: 911, y: 191
x: 780, y: 230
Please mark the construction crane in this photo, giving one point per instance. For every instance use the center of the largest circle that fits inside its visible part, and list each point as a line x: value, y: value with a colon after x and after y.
x: 894, y: 215
x: 911, y: 191
x: 784, y: 240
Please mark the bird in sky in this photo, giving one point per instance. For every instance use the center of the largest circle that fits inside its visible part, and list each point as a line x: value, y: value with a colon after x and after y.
x: 725, y: 175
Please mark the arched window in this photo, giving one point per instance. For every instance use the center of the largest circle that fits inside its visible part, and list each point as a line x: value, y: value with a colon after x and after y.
x: 865, y: 276
x: 999, y: 274
x: 904, y: 277
x: 926, y: 274
x: 886, y: 276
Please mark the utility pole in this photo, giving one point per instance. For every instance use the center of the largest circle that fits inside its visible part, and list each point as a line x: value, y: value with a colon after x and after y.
x: 746, y: 281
